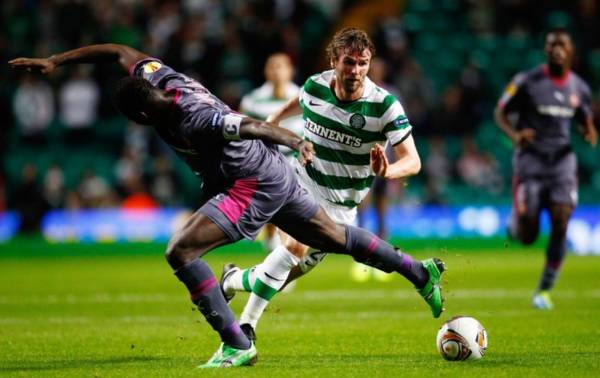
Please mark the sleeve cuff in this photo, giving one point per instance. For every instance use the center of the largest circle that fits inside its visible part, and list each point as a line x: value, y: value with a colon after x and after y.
x: 403, y: 138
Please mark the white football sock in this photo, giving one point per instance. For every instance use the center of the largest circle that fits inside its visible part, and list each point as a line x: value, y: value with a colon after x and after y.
x: 270, y: 277
x: 272, y: 242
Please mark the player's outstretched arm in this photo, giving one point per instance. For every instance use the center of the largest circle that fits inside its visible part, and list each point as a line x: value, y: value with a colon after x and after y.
x: 269, y: 133
x: 289, y: 109
x: 110, y: 52
x: 408, y: 162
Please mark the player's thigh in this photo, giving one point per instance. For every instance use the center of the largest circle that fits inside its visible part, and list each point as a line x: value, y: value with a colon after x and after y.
x: 246, y: 206
x: 304, y: 220
x: 563, y: 199
x: 563, y: 191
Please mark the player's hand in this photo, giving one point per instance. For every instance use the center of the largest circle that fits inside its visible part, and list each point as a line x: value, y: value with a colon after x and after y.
x: 43, y: 65
x: 525, y: 137
x: 379, y: 162
x: 590, y: 134
x: 306, y: 152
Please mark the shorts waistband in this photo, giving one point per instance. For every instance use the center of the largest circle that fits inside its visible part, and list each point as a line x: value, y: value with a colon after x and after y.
x: 550, y: 157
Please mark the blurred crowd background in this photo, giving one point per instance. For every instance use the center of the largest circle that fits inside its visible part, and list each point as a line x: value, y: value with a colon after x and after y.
x: 63, y: 145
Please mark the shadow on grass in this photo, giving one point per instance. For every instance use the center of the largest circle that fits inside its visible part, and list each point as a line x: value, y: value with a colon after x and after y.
x: 23, y: 366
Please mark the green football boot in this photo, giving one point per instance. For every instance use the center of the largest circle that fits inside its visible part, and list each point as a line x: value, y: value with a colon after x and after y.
x: 227, y: 356
x: 432, y: 291
x: 542, y: 301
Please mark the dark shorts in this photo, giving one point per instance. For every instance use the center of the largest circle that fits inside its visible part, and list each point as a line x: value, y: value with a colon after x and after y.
x: 534, y: 194
x: 539, y: 182
x: 273, y: 195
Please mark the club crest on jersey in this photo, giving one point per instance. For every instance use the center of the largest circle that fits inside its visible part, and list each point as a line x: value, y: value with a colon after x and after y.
x: 357, y: 121
x: 152, y: 67
x: 574, y: 100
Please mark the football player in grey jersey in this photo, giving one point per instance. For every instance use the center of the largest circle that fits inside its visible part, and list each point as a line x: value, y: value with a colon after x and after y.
x: 546, y: 100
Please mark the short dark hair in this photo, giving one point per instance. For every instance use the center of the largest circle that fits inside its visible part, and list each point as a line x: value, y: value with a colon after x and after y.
x: 352, y: 39
x: 131, y: 97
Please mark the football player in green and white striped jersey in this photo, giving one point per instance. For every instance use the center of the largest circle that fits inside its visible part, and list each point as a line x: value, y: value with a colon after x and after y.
x: 265, y: 100
x: 275, y: 92
x: 347, y: 118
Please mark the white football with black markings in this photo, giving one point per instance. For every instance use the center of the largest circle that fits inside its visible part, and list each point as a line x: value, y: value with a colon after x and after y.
x: 462, y: 338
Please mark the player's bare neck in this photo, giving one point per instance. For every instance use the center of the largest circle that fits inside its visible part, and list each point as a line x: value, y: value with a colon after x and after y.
x: 279, y: 90
x: 557, y: 71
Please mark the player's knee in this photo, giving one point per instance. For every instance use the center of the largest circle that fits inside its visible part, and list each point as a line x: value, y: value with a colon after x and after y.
x: 559, y: 227
x: 528, y: 238
x: 172, y: 250
x: 527, y: 230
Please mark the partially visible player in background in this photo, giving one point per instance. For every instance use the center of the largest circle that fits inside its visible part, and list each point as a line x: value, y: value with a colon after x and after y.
x: 346, y: 116
x: 546, y: 99
x: 265, y: 100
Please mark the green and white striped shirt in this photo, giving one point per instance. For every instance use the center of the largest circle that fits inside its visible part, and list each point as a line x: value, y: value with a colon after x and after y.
x: 260, y: 104
x: 343, y: 134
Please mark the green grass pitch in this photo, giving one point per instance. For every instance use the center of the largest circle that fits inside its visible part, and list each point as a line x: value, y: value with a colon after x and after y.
x: 117, y: 310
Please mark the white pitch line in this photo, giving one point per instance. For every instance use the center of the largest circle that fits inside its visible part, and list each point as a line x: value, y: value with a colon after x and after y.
x: 449, y: 294
x: 87, y: 320
x: 312, y: 295
x: 283, y: 319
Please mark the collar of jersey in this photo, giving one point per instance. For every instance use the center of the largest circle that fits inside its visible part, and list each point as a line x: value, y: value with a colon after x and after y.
x: 369, y: 87
x: 559, y: 81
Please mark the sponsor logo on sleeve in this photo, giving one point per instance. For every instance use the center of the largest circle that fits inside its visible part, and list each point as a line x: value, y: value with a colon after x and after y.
x: 152, y: 67
x: 401, y: 122
x: 216, y: 120
x: 510, y: 90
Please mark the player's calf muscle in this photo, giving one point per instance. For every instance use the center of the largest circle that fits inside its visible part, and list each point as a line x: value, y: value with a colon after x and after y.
x: 331, y: 237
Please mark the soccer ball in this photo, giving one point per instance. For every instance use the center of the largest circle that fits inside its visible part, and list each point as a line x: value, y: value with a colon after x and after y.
x: 462, y: 338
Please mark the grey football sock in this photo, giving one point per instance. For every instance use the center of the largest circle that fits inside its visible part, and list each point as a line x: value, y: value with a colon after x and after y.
x: 206, y: 294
